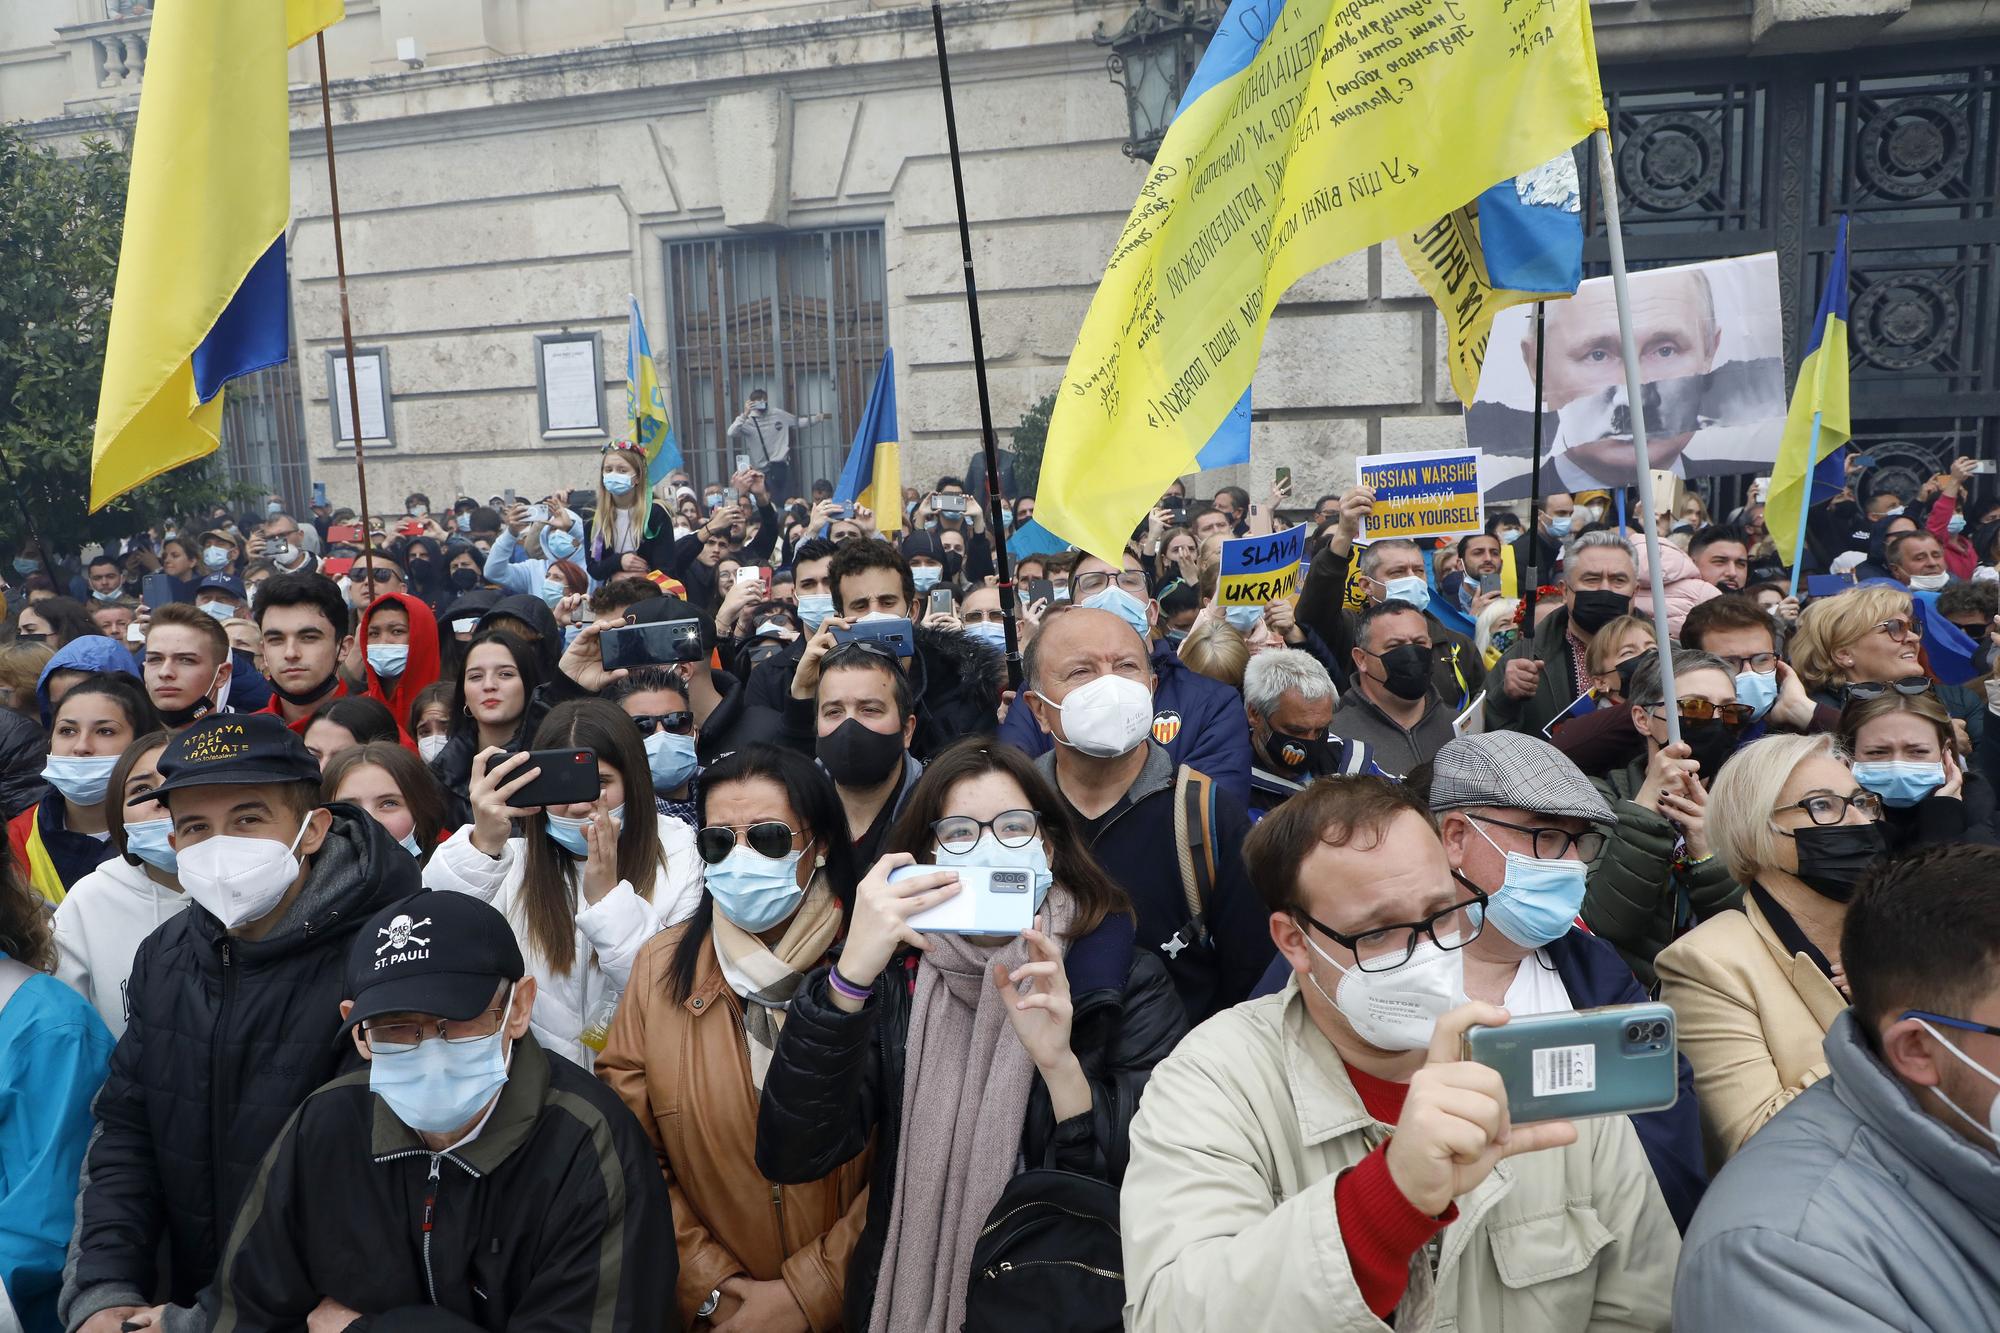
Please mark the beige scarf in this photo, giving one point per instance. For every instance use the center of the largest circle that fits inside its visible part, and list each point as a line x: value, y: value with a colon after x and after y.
x: 966, y: 1080
x: 765, y: 978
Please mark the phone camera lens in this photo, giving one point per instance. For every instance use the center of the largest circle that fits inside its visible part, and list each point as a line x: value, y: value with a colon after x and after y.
x: 1659, y: 1031
x: 1635, y: 1032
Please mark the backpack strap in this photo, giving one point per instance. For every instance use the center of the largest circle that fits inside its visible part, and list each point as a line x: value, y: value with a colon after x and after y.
x: 14, y: 974
x: 1194, y: 842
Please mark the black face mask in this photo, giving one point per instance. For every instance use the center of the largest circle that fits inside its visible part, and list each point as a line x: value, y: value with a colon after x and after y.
x: 1596, y: 608
x: 1408, y: 670
x: 1292, y: 758
x: 465, y: 580
x: 1710, y: 743
x: 311, y: 696
x: 1833, y: 859
x: 855, y: 756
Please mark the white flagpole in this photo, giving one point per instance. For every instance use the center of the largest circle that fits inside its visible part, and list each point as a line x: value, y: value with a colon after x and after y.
x: 1642, y: 460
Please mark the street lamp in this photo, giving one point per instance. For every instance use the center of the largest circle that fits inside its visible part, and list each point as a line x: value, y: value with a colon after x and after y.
x: 1152, y: 58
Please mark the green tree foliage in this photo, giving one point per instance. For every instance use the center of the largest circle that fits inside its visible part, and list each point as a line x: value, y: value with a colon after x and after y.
x: 1030, y: 438
x: 60, y: 221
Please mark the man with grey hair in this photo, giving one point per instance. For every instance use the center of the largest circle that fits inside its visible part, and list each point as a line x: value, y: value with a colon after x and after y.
x: 1541, y: 677
x: 1288, y: 697
x: 1392, y: 569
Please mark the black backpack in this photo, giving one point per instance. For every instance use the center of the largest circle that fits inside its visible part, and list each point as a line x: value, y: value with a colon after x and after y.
x: 1049, y: 1258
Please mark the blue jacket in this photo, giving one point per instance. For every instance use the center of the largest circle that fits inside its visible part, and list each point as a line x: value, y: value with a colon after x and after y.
x: 1200, y: 721
x: 90, y: 652
x: 1594, y: 975
x: 54, y: 1051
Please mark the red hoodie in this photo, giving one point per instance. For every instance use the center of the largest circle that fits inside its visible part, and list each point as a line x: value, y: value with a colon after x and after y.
x: 422, y: 667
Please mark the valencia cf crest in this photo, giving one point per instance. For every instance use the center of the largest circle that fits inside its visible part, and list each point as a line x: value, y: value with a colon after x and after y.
x: 1166, y: 726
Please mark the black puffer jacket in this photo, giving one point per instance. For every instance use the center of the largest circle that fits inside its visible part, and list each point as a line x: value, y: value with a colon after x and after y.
x: 225, y: 1040
x: 837, y: 1078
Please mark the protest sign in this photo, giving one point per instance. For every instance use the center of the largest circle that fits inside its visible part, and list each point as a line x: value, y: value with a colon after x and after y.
x: 1434, y: 493
x: 1257, y: 571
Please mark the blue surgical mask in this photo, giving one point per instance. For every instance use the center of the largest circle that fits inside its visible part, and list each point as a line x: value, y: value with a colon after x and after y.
x: 553, y: 591
x: 558, y: 544
x: 1538, y: 900
x: 569, y: 833
x: 990, y: 632
x: 219, y: 610
x: 26, y: 564
x: 1133, y: 611
x: 814, y: 608
x: 925, y: 577
x: 1510, y: 535
x: 618, y: 483
x: 1411, y: 588
x: 1176, y: 637
x: 990, y: 851
x: 754, y: 891
x: 1559, y: 527
x: 464, y: 523
x: 82, y: 778
x: 215, y: 557
x: 441, y: 1084
x: 408, y: 842
x: 388, y: 659
x: 1894, y: 513
x: 671, y: 760
x: 103, y: 596
x: 1900, y: 784
x: 272, y: 508
x: 1758, y: 689
x: 1243, y: 618
x: 147, y: 840
x: 1955, y: 524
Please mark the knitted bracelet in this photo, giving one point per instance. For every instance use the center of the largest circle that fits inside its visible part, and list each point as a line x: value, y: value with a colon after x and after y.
x: 845, y: 987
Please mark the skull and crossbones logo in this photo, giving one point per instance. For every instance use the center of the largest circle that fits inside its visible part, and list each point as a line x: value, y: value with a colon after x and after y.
x: 401, y: 932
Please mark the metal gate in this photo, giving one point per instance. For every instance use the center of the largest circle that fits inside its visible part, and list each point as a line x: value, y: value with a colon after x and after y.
x: 1723, y: 159
x: 802, y: 316
x: 264, y: 435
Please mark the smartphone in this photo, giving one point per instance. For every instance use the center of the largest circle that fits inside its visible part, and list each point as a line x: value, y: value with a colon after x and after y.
x: 412, y: 528
x: 1285, y: 480
x: 157, y: 590
x: 661, y: 643
x: 896, y: 635
x: 1489, y: 583
x: 1616, y: 1060
x: 538, y: 513
x: 277, y: 550
x: 991, y: 900
x: 507, y: 497
x: 1173, y: 502
x: 1038, y: 590
x: 1863, y: 460
x: 1827, y: 585
x: 344, y: 534
x: 950, y: 504
x: 319, y: 495
x: 940, y: 602
x: 1984, y: 466
x: 754, y: 574
x: 742, y: 462
x: 568, y: 776
x: 840, y: 511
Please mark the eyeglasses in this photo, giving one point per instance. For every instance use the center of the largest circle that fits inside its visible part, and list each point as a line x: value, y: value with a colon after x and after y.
x: 1962, y: 1024
x: 395, y: 1038
x: 1824, y: 808
x: 1900, y: 629
x: 1389, y: 947
x: 1697, y: 709
x: 1012, y: 828
x: 1875, y: 689
x: 1553, y: 844
x: 1097, y: 580
x: 677, y: 724
x: 771, y: 839
x: 1761, y: 663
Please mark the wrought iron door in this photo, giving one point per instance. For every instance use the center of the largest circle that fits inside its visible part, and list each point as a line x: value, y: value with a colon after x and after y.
x: 1733, y: 158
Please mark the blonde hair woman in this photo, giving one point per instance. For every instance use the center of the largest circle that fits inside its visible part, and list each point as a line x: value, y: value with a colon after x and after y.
x: 1755, y: 992
x: 1863, y: 634
x: 1214, y: 648
x: 629, y: 534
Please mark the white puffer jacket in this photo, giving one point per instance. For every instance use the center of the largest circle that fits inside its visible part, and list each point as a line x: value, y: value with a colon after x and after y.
x: 610, y: 932
x: 99, y: 926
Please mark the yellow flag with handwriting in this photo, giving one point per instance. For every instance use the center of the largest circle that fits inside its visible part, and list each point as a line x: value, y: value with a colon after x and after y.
x: 1354, y: 121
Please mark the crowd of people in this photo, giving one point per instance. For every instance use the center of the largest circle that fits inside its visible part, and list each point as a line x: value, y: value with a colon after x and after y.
x: 336, y: 992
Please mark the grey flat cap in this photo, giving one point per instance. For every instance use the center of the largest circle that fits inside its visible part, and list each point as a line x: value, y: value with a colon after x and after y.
x: 1513, y: 771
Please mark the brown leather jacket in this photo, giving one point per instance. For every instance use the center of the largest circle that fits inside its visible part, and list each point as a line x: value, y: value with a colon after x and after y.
x: 683, y: 1068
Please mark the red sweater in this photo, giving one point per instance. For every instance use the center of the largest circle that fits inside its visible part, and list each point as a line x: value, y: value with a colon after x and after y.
x: 1381, y: 1229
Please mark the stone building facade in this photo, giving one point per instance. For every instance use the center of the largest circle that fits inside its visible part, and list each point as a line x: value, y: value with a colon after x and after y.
x: 769, y: 179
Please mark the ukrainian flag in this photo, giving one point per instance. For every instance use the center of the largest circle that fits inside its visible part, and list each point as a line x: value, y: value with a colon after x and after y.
x: 200, y: 297
x: 1818, y: 426
x: 874, y: 473
x: 646, y: 405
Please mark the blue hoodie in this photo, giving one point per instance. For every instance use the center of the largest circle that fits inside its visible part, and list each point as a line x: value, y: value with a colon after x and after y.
x: 92, y: 652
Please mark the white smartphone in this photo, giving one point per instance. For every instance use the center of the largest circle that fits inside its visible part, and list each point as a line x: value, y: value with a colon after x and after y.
x: 742, y: 462
x: 1985, y: 466
x: 990, y: 901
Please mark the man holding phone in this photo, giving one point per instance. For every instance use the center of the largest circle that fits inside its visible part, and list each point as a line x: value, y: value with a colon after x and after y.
x: 766, y: 435
x: 1260, y: 1169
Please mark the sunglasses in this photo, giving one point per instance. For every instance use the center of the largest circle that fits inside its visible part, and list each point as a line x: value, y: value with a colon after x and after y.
x: 1705, y: 710
x: 379, y: 575
x: 1875, y: 689
x: 677, y: 724
x: 771, y: 839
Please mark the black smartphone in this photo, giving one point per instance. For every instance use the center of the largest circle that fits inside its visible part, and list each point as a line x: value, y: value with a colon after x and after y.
x: 567, y: 776
x: 661, y: 643
x: 897, y: 635
x: 1173, y: 502
x: 157, y: 590
x: 1038, y: 590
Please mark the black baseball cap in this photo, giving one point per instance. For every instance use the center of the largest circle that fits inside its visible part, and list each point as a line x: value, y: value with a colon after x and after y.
x: 239, y: 749
x: 438, y: 952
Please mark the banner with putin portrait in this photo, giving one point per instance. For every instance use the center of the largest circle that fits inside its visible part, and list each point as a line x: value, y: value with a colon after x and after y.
x: 1711, y: 361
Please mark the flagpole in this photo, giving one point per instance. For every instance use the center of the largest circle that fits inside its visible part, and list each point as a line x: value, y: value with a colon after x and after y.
x: 1641, y: 457
x: 346, y: 325
x: 1805, y: 491
x: 996, y: 527
x: 1534, y: 527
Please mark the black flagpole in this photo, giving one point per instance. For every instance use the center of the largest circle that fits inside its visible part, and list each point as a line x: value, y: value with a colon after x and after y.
x: 1534, y: 528
x: 995, y: 523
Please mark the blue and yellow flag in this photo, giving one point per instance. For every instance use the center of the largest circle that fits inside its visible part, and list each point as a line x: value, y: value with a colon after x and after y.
x: 1338, y: 125
x: 200, y: 297
x: 873, y: 476
x: 646, y: 404
x: 1818, y: 425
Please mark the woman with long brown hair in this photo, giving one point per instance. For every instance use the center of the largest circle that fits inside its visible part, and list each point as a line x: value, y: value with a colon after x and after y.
x: 1905, y: 753
x: 583, y: 885
x: 961, y: 1056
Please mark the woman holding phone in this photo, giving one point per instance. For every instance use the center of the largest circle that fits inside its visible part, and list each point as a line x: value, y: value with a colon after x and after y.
x: 905, y: 1038
x: 583, y: 886
x: 496, y: 680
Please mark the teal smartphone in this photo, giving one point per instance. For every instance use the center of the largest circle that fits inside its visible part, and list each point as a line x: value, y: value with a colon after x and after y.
x: 1616, y: 1060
